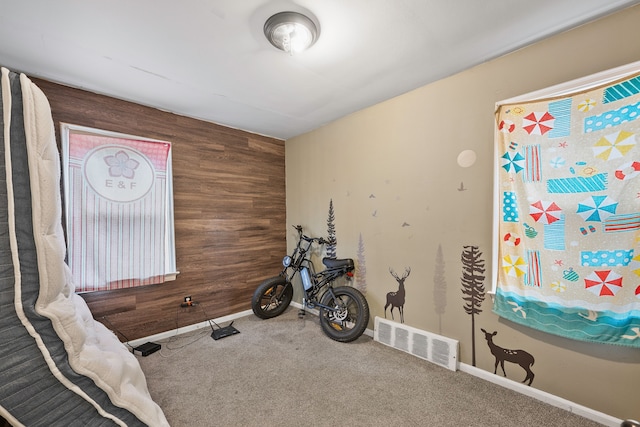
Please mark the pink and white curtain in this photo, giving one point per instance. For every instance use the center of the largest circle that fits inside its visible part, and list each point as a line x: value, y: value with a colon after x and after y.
x: 116, y: 208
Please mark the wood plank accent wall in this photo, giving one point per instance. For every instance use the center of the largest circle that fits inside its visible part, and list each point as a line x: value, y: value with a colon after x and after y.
x: 229, y: 197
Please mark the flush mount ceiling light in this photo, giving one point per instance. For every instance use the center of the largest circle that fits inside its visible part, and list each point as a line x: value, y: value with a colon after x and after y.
x: 292, y: 32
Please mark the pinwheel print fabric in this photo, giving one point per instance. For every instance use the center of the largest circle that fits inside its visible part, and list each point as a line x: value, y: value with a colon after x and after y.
x: 568, y: 235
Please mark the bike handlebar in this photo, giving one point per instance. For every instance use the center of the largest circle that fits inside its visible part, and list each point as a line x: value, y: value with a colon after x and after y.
x: 320, y: 240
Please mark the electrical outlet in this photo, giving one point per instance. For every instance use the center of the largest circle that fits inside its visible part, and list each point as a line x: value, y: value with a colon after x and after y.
x: 188, y: 302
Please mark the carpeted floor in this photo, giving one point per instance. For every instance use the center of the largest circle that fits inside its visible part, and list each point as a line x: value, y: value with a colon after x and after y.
x: 286, y: 372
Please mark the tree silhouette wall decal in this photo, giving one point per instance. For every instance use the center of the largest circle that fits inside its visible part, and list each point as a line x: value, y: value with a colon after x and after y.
x: 331, y: 231
x: 472, y: 288
x: 439, y: 288
x: 361, y: 270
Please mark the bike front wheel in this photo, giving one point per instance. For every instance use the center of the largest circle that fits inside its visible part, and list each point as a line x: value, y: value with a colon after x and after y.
x: 272, y: 297
x: 349, y: 316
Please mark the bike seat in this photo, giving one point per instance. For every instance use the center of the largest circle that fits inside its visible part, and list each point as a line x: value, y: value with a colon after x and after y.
x: 338, y: 263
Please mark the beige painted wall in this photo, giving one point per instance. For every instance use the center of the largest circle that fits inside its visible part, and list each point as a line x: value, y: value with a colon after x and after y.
x: 392, y: 174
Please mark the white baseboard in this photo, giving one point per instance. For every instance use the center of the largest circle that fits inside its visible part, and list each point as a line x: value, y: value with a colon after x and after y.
x: 205, y: 324
x: 543, y: 396
x: 185, y: 329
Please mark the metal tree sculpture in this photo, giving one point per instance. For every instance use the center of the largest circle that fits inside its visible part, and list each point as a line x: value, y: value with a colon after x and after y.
x: 472, y: 288
x: 331, y: 231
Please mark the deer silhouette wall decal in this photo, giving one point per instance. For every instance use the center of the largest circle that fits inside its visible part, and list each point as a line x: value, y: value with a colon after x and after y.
x: 521, y: 357
x: 396, y: 299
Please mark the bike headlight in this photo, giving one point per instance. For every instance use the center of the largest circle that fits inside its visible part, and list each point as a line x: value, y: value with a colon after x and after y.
x: 286, y: 261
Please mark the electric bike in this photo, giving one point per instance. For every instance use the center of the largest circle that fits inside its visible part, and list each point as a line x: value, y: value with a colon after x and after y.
x: 343, y: 310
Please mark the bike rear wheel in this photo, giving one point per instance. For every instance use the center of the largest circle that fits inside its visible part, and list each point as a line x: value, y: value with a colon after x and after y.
x: 272, y: 297
x: 351, y: 315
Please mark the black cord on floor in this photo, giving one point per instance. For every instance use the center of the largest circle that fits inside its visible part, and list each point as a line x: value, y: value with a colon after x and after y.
x: 209, y: 319
x: 168, y: 343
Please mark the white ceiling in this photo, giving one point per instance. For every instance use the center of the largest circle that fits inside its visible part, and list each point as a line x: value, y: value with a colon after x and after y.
x: 209, y: 59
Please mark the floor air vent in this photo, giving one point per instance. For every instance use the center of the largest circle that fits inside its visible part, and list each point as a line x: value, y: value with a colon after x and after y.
x: 435, y: 348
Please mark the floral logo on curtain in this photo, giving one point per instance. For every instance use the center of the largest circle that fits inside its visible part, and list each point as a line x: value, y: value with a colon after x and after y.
x: 118, y: 173
x: 121, y: 164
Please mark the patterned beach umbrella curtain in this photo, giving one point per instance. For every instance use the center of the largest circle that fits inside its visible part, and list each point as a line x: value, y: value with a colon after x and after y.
x: 568, y: 214
x: 116, y: 208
